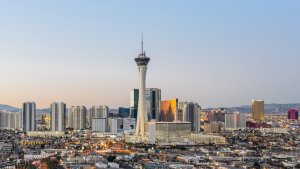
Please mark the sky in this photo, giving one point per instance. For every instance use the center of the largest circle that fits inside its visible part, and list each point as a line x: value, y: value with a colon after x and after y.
x: 216, y: 53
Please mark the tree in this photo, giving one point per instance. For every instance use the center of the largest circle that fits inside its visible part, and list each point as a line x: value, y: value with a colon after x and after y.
x: 111, y: 158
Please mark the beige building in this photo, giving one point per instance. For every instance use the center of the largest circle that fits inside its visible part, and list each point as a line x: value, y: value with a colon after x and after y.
x: 258, y: 112
x: 162, y: 132
x: 45, y: 133
x: 212, y: 127
x: 207, y: 139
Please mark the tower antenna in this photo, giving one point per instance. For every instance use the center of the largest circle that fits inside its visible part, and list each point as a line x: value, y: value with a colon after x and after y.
x: 142, y: 43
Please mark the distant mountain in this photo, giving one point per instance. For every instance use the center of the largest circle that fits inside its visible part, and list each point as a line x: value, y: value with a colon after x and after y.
x: 269, y: 108
x: 15, y: 109
x: 9, y: 108
x: 113, y: 111
x: 43, y: 111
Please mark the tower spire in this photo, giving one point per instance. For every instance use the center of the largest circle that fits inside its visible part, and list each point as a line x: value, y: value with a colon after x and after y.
x: 142, y: 45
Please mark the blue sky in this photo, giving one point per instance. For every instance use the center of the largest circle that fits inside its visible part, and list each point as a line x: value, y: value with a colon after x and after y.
x: 216, y: 53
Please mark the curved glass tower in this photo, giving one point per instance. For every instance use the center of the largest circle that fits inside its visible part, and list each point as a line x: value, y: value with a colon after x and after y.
x: 142, y: 61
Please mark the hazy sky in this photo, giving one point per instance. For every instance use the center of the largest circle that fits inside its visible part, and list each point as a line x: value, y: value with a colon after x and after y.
x: 217, y: 53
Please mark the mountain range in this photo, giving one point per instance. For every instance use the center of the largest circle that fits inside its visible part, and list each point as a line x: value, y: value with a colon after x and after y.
x: 15, y: 109
x: 269, y: 108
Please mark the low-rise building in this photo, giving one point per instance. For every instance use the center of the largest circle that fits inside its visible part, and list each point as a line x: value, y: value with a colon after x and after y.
x: 168, y: 131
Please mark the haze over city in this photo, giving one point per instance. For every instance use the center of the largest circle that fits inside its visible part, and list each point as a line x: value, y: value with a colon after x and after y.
x: 214, y: 53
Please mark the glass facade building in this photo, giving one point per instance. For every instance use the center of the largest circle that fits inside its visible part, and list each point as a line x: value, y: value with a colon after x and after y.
x: 258, y: 110
x: 169, y: 110
x: 293, y: 114
x: 134, y: 99
x: 123, y: 112
x: 153, y: 103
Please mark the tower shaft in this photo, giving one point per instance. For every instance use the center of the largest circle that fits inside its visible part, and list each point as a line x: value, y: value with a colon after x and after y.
x: 142, y: 61
x: 140, y: 127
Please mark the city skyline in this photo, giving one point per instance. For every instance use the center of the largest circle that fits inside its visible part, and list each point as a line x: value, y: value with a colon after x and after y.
x: 216, y: 54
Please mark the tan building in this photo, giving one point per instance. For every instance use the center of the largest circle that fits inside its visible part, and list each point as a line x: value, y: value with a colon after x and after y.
x: 212, y: 127
x: 208, y: 139
x: 168, y: 131
x: 258, y: 110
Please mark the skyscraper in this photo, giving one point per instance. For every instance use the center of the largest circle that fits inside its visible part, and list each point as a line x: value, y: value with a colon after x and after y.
x: 169, y: 110
x: 242, y: 119
x: 153, y: 101
x: 293, y: 114
x: 134, y: 101
x: 99, y: 125
x: 235, y: 120
x: 142, y: 61
x: 99, y: 112
x: 123, y: 112
x: 115, y: 125
x: 189, y: 112
x: 217, y: 115
x: 258, y: 112
x: 9, y: 120
x: 231, y: 120
x: 58, y: 116
x: 28, y: 116
x: 77, y: 117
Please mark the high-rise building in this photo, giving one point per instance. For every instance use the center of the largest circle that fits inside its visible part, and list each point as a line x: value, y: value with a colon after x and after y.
x: 216, y: 115
x: 235, y: 120
x: 134, y: 101
x: 212, y: 126
x: 242, y: 120
x: 190, y: 112
x: 58, y: 113
x: 28, y: 116
x: 231, y: 120
x: 99, y: 125
x: 77, y: 117
x: 9, y: 120
x: 142, y: 61
x: 293, y: 114
x: 258, y: 111
x: 4, y: 119
x: 153, y: 100
x: 169, y: 110
x: 96, y: 112
x: 182, y: 113
x: 99, y: 111
x: 115, y: 125
x: 123, y: 112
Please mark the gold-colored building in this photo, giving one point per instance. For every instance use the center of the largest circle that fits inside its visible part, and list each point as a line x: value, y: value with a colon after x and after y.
x: 258, y: 110
x: 32, y: 142
x: 169, y: 110
x: 203, y: 115
x: 46, y: 118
